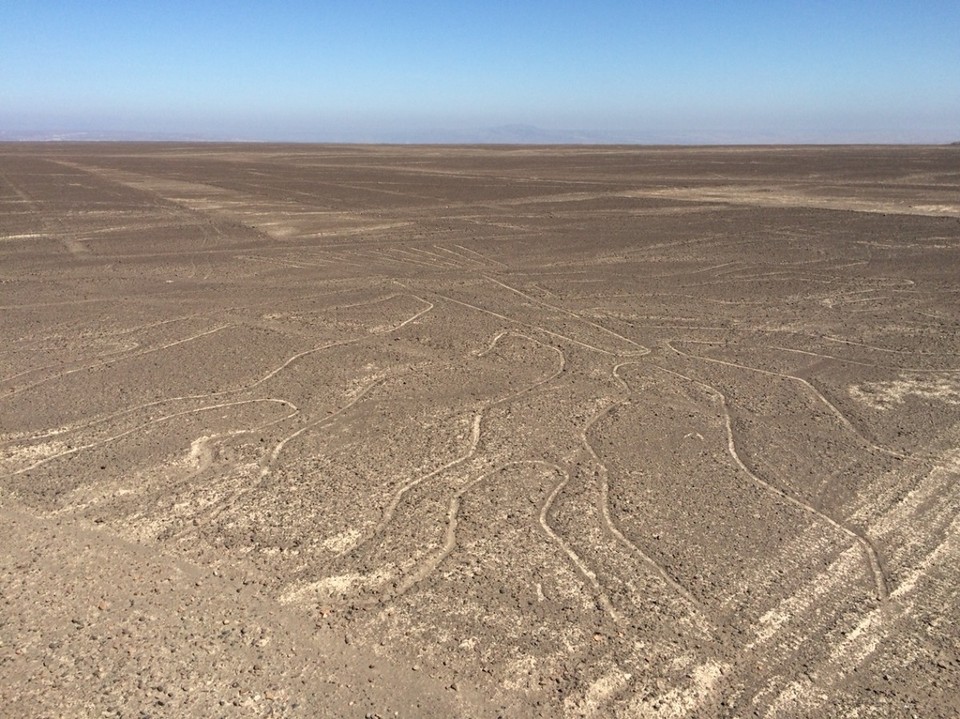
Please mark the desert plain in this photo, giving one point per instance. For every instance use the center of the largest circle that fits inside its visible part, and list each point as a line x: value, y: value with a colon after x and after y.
x: 376, y: 431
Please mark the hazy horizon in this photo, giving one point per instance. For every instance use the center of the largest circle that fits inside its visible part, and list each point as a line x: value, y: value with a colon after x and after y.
x: 538, y: 72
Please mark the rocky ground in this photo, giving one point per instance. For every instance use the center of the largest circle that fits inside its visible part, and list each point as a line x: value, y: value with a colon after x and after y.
x: 431, y: 432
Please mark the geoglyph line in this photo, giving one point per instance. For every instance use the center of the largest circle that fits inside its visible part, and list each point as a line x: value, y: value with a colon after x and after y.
x: 290, y: 360
x: 813, y: 390
x: 808, y: 693
x: 429, y: 566
x: 151, y: 350
x: 608, y: 520
x: 450, y: 537
x: 870, y: 553
x: 453, y: 509
x: 151, y: 423
x: 840, y: 340
x: 461, y: 257
x: 527, y: 325
x: 481, y: 256
x: 446, y: 262
x: 113, y: 355
x: 575, y: 559
x: 422, y: 573
x: 322, y: 422
x: 842, y: 360
x: 641, y: 348
x: 404, y: 259
x: 475, y: 431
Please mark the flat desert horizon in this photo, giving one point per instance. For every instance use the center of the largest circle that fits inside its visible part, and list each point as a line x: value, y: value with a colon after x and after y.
x: 504, y: 431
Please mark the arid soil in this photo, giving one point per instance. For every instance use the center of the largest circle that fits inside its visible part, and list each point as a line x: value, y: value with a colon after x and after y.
x: 432, y: 432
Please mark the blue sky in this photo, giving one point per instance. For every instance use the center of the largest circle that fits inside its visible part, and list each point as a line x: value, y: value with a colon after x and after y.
x: 366, y: 69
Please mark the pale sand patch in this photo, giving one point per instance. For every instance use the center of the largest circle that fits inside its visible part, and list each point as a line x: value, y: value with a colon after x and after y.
x: 330, y: 588
x: 342, y: 542
x: 14, y: 457
x: 681, y: 701
x: 885, y: 395
x: 599, y: 693
x: 838, y: 575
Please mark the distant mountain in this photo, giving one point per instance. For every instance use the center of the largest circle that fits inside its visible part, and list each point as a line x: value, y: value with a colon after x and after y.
x: 532, y: 135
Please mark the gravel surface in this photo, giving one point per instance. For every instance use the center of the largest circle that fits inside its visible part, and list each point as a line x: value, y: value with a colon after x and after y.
x: 502, y: 431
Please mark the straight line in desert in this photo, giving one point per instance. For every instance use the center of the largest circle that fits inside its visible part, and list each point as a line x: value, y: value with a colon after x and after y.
x: 151, y: 350
x: 282, y: 262
x: 460, y: 257
x: 641, y: 348
x: 761, y: 198
x: 859, y: 644
x: 446, y: 261
x: 527, y: 325
x: 407, y: 259
x: 99, y: 335
x: 831, y: 338
x: 429, y: 258
x: 843, y: 360
x: 481, y: 256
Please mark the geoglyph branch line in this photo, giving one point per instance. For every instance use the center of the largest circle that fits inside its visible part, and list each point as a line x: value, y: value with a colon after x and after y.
x: 430, y: 566
x: 272, y: 373
x: 155, y: 421
x: 813, y: 390
x: 319, y: 423
x: 475, y: 430
x: 150, y: 350
x: 870, y: 553
x: 608, y: 520
x: 842, y: 360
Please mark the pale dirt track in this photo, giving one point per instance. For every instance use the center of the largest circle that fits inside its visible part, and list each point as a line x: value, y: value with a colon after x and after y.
x: 430, y: 432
